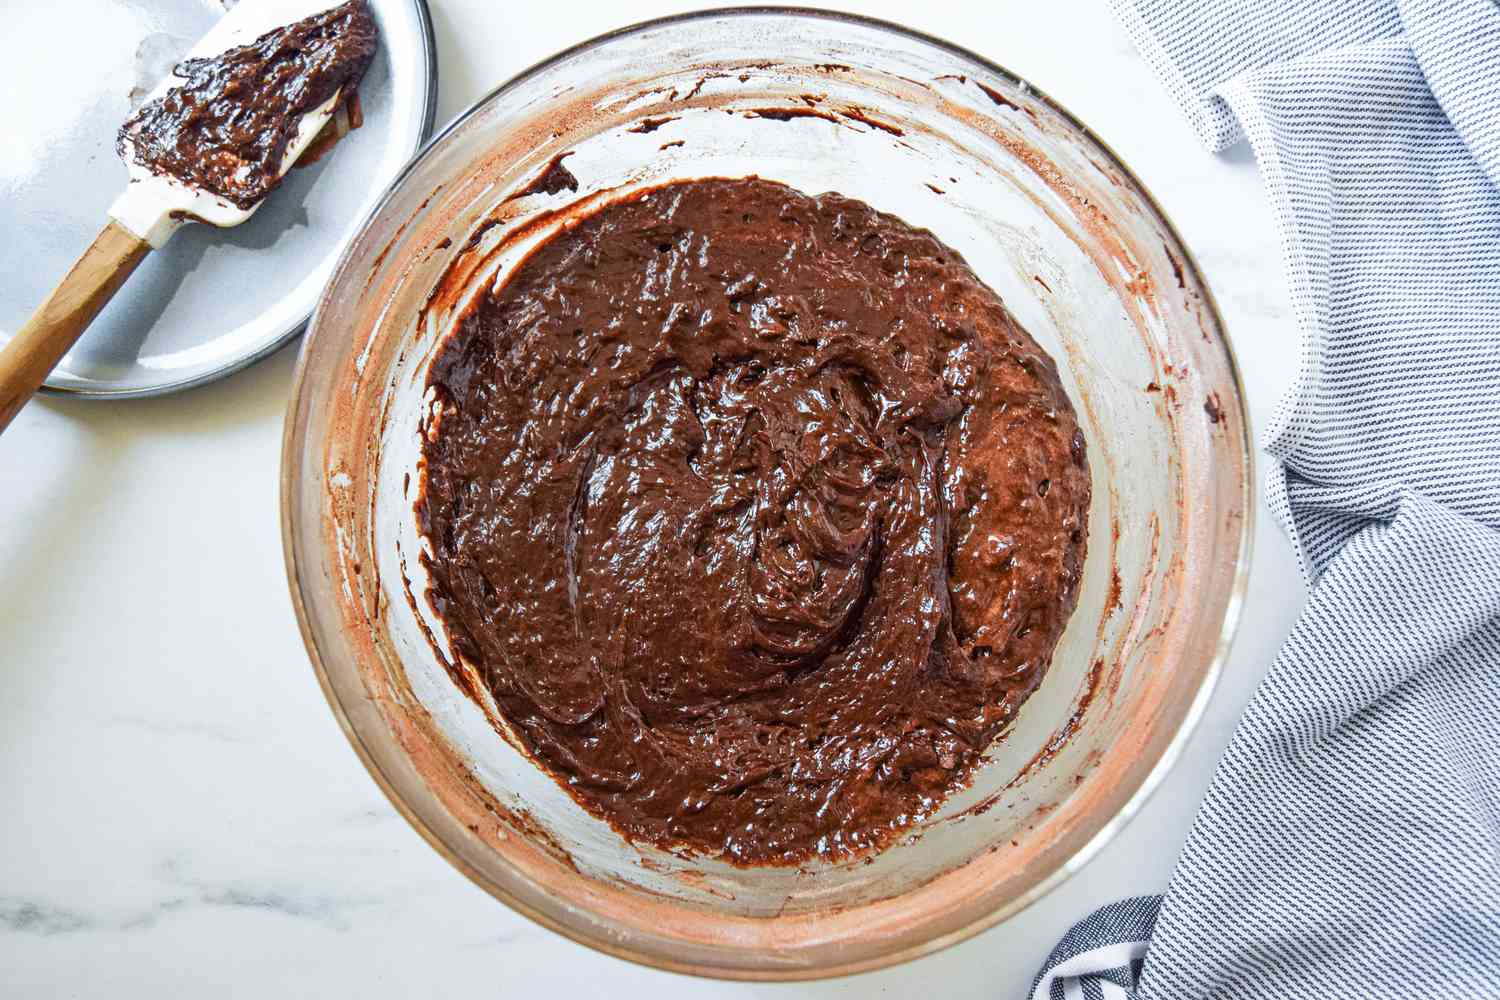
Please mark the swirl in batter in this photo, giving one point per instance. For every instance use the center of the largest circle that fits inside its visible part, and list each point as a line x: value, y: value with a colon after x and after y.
x: 758, y: 513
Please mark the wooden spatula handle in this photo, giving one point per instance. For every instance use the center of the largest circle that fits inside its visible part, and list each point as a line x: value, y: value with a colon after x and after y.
x: 39, y: 345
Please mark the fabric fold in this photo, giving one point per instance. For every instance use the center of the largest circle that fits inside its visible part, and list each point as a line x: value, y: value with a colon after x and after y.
x: 1457, y: 43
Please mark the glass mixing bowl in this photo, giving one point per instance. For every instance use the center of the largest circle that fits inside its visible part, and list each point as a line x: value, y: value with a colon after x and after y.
x: 1044, y: 213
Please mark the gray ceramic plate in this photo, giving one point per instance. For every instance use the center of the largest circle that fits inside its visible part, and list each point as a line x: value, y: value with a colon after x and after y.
x: 213, y: 300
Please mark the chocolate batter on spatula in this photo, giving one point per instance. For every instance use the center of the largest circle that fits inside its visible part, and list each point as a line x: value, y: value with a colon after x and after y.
x: 227, y: 127
x: 758, y: 513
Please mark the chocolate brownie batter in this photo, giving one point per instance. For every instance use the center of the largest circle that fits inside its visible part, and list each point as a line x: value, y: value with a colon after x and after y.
x: 758, y: 513
x: 226, y: 128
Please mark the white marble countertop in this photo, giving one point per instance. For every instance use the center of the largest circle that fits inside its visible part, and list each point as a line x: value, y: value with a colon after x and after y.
x: 183, y: 817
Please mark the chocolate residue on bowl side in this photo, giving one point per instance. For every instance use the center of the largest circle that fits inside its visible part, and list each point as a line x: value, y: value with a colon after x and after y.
x: 1176, y: 266
x: 856, y: 114
x: 787, y: 114
x: 481, y: 231
x: 1213, y: 408
x: 650, y: 125
x: 757, y: 513
x: 1064, y: 732
x: 385, y: 250
x: 997, y: 97
x: 554, y: 178
x: 226, y: 128
x: 699, y: 85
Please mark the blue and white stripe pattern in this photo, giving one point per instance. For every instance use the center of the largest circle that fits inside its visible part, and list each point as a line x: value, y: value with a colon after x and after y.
x: 1350, y: 842
x: 1102, y: 957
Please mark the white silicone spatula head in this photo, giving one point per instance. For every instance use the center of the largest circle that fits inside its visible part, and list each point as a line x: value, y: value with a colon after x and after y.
x: 154, y: 204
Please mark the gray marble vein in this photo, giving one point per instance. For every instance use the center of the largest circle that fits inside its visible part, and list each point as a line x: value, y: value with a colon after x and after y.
x: 172, y: 727
x: 30, y: 916
x: 373, y: 816
x: 496, y: 940
x: 42, y: 918
x: 301, y: 902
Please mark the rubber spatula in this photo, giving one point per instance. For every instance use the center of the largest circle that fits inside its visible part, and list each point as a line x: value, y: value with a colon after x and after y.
x: 152, y: 208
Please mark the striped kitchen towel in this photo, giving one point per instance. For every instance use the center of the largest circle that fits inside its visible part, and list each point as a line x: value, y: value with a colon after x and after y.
x: 1349, y: 845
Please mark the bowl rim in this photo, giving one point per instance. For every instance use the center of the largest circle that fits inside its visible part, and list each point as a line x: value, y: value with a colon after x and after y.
x: 1171, y: 754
